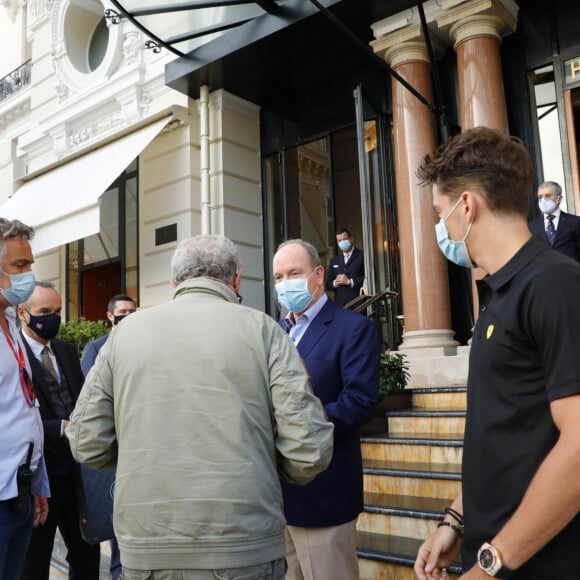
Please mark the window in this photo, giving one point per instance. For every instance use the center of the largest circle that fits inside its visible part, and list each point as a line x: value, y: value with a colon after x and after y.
x: 106, y: 263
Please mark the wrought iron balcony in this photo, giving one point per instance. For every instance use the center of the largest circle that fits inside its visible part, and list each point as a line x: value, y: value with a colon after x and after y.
x: 15, y: 81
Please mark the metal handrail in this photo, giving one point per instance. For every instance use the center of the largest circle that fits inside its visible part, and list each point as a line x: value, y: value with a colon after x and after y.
x: 15, y: 81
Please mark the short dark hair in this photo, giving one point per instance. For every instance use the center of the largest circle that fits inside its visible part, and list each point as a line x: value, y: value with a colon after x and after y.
x: 485, y: 160
x: 343, y: 231
x: 118, y: 298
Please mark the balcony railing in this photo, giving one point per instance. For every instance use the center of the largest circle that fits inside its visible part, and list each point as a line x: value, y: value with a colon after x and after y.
x: 15, y: 81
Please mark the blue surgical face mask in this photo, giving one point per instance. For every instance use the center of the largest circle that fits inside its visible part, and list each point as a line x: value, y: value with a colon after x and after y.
x: 21, y: 287
x: 344, y: 245
x: 293, y: 293
x: 455, y: 252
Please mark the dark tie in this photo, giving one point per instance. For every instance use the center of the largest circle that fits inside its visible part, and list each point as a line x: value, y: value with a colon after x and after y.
x: 551, y: 230
x: 286, y: 325
x: 47, y: 362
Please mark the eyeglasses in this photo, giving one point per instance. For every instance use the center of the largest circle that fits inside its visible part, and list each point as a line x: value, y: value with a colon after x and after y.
x: 26, y: 385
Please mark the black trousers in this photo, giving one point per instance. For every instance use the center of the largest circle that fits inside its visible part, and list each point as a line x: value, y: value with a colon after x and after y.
x: 83, y: 559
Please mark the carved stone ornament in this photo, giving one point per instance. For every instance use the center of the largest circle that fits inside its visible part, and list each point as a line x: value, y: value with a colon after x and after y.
x: 63, y: 41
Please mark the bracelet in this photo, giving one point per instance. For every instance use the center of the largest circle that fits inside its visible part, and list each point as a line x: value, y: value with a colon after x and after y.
x: 455, y: 515
x: 457, y: 530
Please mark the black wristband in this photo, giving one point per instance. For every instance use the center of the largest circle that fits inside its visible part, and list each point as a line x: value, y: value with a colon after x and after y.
x: 455, y: 528
x: 455, y: 515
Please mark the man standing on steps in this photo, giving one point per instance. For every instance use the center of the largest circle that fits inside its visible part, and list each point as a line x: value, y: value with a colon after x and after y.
x: 341, y: 350
x: 518, y: 513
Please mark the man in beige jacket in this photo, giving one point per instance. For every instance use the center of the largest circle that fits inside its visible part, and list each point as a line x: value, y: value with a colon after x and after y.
x: 202, y: 404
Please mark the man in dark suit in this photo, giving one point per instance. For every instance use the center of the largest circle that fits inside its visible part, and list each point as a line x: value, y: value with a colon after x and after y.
x: 346, y: 272
x: 341, y: 351
x: 119, y: 306
x: 57, y: 379
x: 562, y: 230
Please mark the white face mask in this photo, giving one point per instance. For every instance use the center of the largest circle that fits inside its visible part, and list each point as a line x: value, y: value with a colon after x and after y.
x: 547, y: 205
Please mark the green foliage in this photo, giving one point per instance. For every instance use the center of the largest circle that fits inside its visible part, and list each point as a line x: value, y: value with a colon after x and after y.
x: 79, y: 332
x: 394, y: 372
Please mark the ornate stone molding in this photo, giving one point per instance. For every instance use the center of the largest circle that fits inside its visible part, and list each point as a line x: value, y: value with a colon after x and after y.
x: 69, y: 80
x: 466, y: 19
x: 12, y: 7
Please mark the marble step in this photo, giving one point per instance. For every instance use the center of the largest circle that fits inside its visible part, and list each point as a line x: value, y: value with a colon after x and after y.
x: 383, y: 557
x: 439, y: 398
x: 433, y: 423
x: 414, y: 448
x: 422, y: 479
x: 408, y: 516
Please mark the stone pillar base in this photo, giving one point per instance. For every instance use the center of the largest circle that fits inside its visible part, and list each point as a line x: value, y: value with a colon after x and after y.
x: 438, y: 367
x: 432, y: 338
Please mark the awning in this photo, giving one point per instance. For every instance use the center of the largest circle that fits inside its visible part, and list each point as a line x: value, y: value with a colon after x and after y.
x: 63, y: 204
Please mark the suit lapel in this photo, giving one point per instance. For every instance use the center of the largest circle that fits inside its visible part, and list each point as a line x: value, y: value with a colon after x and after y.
x: 40, y: 386
x: 317, y: 329
x: 561, y: 226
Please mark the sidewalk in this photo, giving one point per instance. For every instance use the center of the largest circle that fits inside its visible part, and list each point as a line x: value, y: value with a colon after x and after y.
x: 58, y: 570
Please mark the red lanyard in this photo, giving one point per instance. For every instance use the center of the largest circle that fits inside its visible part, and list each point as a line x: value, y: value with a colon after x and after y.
x: 25, y: 381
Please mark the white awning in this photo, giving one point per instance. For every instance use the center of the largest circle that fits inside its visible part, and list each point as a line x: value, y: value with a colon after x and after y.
x: 63, y: 204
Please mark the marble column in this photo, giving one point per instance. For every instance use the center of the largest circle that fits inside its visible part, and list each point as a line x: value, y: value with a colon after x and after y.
x: 425, y: 291
x: 476, y: 28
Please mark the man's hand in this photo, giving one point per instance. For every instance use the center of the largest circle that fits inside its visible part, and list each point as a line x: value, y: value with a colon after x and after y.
x: 342, y: 280
x: 40, y: 510
x: 438, y: 551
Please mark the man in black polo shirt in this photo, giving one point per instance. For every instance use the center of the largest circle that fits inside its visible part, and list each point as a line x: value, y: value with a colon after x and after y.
x: 517, y: 515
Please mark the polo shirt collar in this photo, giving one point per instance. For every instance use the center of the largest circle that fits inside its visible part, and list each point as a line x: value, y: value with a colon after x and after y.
x: 516, y: 264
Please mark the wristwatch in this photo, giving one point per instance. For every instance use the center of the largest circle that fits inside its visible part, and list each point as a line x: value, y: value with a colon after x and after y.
x: 489, y: 561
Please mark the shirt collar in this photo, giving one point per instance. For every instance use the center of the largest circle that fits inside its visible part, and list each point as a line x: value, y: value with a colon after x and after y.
x: 556, y: 214
x: 311, y: 312
x: 516, y: 264
x: 35, y: 346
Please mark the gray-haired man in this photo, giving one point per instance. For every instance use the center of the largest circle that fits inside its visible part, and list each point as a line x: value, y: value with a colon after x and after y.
x: 202, y: 404
x: 22, y: 469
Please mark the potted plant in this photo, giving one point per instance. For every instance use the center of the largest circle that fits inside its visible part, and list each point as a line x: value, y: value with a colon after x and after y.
x: 393, y: 378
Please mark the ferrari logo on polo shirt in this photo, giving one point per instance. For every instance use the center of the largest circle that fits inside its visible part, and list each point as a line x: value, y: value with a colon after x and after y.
x: 489, y: 331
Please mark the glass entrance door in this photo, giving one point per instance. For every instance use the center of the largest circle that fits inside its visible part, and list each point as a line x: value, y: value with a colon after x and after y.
x: 315, y: 189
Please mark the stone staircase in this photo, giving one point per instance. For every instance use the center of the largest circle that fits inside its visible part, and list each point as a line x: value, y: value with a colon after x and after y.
x: 411, y: 474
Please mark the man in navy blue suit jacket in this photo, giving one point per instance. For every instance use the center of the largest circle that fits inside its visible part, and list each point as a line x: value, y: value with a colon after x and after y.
x: 566, y: 238
x: 119, y: 306
x: 346, y: 272
x: 341, y: 350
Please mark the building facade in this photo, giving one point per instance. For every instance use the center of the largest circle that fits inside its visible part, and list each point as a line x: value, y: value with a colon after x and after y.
x: 292, y: 124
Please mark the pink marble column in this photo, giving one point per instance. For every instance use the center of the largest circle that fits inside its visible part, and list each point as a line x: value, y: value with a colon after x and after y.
x: 425, y: 290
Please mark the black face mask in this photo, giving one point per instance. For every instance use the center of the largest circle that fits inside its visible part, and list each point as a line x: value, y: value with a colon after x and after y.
x: 45, y: 326
x: 117, y: 318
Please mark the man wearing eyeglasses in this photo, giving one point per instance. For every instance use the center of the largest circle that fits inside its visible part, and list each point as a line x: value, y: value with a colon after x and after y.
x: 23, y: 478
x: 57, y: 378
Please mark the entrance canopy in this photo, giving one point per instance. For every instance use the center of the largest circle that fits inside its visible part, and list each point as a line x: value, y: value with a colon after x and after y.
x: 63, y: 204
x: 284, y: 55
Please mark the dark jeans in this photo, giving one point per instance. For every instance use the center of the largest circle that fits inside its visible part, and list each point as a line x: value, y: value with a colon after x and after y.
x: 15, y: 532
x: 83, y: 559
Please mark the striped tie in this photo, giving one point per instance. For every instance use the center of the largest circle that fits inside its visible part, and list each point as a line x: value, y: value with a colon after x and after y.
x: 551, y: 230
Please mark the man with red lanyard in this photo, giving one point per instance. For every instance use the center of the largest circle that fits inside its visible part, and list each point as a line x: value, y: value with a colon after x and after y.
x: 23, y: 479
